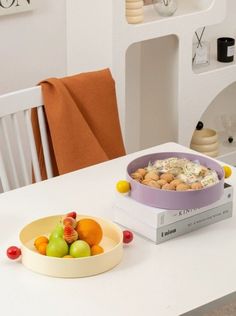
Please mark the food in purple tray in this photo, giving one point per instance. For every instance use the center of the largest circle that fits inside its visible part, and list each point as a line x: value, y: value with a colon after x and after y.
x: 176, y: 174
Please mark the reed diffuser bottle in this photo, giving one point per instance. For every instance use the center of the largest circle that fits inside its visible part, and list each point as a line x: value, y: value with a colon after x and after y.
x: 165, y: 7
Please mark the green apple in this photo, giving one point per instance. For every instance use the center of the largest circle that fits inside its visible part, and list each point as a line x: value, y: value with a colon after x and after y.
x: 80, y: 248
x: 57, y: 232
x: 57, y: 247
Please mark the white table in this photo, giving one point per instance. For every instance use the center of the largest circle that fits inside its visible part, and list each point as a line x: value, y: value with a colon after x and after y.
x: 166, y: 279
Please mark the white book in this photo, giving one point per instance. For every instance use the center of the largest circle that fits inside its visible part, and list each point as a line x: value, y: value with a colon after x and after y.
x: 156, y: 217
x: 164, y: 233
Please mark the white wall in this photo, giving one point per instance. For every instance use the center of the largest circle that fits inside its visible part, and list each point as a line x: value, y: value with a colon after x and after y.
x: 33, y: 48
x: 89, y: 35
x: 33, y: 45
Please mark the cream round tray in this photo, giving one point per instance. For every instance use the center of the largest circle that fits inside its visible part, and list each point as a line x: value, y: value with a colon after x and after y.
x: 112, y: 243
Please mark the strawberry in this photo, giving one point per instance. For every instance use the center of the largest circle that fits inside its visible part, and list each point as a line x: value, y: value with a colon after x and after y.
x: 72, y: 214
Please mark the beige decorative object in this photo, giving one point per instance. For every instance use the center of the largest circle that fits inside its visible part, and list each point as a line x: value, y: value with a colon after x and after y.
x: 134, y: 11
x: 206, y: 142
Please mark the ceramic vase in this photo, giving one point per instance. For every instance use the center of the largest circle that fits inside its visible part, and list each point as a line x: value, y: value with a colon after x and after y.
x: 134, y: 11
x: 165, y: 7
x: 206, y: 142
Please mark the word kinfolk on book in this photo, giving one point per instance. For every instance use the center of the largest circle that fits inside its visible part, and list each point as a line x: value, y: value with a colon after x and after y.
x: 15, y: 6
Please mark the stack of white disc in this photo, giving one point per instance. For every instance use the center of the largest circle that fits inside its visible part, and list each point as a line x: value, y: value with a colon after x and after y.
x: 134, y: 11
x: 206, y: 142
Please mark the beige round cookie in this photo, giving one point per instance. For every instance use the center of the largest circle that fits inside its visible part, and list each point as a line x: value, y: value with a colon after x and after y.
x: 154, y: 184
x: 175, y: 182
x: 141, y: 171
x: 196, y: 186
x: 183, y: 187
x: 137, y: 176
x: 167, y: 176
x: 168, y: 187
x: 152, y: 175
x: 161, y: 182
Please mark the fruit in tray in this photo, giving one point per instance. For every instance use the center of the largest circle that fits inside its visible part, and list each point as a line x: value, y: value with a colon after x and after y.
x: 57, y: 247
x: 90, y: 231
x: 72, y: 239
x: 57, y: 232
x: 176, y: 174
x: 80, y: 248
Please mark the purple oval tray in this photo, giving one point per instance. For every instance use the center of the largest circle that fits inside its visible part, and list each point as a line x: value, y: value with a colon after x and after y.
x: 173, y: 199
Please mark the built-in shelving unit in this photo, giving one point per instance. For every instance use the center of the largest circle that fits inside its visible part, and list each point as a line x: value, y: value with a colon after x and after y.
x: 185, y: 7
x: 214, y: 66
x: 158, y: 53
x: 160, y: 96
x: 223, y: 76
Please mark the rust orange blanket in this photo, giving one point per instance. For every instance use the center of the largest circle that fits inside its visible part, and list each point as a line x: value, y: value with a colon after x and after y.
x: 83, y: 122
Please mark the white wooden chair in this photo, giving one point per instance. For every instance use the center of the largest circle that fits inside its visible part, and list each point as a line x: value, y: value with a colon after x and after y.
x: 18, y: 154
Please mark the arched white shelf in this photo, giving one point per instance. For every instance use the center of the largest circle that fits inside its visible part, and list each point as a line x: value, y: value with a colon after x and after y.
x: 212, y: 32
x: 133, y: 44
x: 151, y: 88
x: 192, y: 15
x: 185, y: 7
x: 223, y: 105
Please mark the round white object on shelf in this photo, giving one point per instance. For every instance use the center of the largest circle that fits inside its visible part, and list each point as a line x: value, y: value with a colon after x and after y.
x: 134, y: 19
x: 204, y: 136
x: 134, y: 12
x: 205, y: 148
x: 134, y: 5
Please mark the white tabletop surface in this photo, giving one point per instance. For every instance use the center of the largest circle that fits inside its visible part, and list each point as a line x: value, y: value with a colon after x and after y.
x: 166, y: 279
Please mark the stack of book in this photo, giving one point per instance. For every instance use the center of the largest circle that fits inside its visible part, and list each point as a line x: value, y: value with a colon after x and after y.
x: 160, y: 225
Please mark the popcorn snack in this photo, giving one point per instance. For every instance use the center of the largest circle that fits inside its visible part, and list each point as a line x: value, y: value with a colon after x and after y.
x: 176, y: 174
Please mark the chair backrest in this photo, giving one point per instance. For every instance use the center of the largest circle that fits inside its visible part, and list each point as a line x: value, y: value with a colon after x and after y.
x: 18, y: 155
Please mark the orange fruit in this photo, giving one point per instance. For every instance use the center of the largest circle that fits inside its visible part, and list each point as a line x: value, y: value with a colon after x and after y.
x: 42, y: 248
x: 90, y: 231
x: 96, y: 250
x: 40, y: 240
